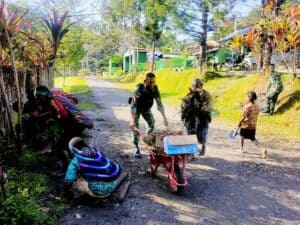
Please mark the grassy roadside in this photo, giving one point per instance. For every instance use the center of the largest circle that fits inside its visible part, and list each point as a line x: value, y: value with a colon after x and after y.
x: 78, y: 86
x: 229, y: 95
x: 73, y: 84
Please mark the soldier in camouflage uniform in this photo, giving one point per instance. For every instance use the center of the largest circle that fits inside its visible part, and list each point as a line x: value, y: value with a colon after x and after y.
x: 141, y: 104
x: 274, y: 89
x: 195, y: 112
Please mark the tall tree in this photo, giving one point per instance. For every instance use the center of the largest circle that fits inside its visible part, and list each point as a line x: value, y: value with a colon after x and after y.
x: 270, y: 10
x: 155, y: 13
x: 226, y: 26
x: 57, y: 28
x: 197, y: 18
x: 121, y: 20
x: 71, y: 50
x: 286, y: 31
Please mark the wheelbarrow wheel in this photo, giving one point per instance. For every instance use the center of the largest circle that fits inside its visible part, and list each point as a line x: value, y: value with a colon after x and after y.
x: 179, y: 178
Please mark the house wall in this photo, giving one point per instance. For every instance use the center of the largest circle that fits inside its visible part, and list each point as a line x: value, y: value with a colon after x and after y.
x: 136, y: 59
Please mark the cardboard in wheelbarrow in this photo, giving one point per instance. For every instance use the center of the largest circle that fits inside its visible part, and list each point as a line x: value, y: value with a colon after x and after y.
x: 159, y: 141
x: 180, y: 144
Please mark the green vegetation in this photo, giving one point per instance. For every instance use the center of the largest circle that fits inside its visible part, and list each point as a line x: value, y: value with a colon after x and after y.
x: 86, y: 106
x: 229, y: 95
x: 27, y: 200
x: 74, y: 84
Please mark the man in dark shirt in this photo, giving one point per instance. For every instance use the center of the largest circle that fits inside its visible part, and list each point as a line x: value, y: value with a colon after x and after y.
x: 141, y: 104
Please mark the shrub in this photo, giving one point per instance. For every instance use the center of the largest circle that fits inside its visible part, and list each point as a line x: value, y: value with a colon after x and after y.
x: 23, y: 202
x: 28, y: 158
x: 210, y: 75
x: 20, y: 209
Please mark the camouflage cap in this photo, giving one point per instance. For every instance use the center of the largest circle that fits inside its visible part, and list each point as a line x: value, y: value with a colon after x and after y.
x: 275, y: 76
x: 197, y: 82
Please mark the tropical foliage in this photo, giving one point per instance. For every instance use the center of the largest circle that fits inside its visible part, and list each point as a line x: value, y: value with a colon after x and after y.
x: 283, y: 31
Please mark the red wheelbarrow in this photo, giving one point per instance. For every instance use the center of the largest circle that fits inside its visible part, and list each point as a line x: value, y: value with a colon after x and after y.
x: 171, y: 150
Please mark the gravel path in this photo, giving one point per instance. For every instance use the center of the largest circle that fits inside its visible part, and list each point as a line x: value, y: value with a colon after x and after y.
x: 225, y: 186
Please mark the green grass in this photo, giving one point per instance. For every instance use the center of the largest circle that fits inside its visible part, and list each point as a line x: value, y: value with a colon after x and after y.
x: 25, y: 200
x: 87, y: 106
x: 74, y: 84
x: 27, y: 191
x: 229, y: 95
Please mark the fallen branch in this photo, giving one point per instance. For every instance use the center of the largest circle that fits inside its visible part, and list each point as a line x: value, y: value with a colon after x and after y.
x: 124, y: 191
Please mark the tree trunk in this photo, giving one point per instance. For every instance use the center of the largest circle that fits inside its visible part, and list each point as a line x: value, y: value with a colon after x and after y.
x: 37, y: 76
x: 50, y: 76
x: 295, y: 62
x: 64, y: 76
x: 153, y: 56
x: 16, y: 83
x: 276, y: 9
x: 263, y: 38
x: 203, y: 37
x: 8, y: 110
x: 24, y: 85
x: 130, y: 60
x: 1, y: 47
x: 286, y: 64
x: 267, y: 54
x: 267, y: 38
x: 137, y: 55
x: 261, y: 54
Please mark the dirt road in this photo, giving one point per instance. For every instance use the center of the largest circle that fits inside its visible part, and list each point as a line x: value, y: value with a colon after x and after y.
x: 225, y: 186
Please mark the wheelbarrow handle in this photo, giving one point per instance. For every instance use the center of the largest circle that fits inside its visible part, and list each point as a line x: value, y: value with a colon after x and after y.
x: 137, y: 131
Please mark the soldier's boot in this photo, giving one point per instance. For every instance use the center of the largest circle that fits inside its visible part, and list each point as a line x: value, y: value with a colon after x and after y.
x: 264, y: 154
x: 268, y: 106
x: 272, y: 106
x: 265, y: 110
x: 137, y: 152
x: 202, y: 153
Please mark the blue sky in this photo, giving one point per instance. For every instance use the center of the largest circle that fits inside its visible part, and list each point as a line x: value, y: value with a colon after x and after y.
x: 245, y: 7
x: 241, y: 8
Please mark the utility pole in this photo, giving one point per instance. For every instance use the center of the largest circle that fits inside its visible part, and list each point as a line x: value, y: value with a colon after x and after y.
x: 235, y: 23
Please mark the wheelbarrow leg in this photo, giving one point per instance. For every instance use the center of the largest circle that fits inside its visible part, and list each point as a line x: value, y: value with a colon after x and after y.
x: 154, y: 163
x: 171, y: 176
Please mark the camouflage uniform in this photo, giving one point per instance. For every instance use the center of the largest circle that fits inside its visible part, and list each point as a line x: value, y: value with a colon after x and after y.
x: 195, y: 113
x: 274, y: 89
x: 141, y: 105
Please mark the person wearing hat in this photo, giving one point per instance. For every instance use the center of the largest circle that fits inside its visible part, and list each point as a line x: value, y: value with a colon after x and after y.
x: 274, y: 89
x: 196, y: 109
x: 141, y: 104
x: 248, y: 122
